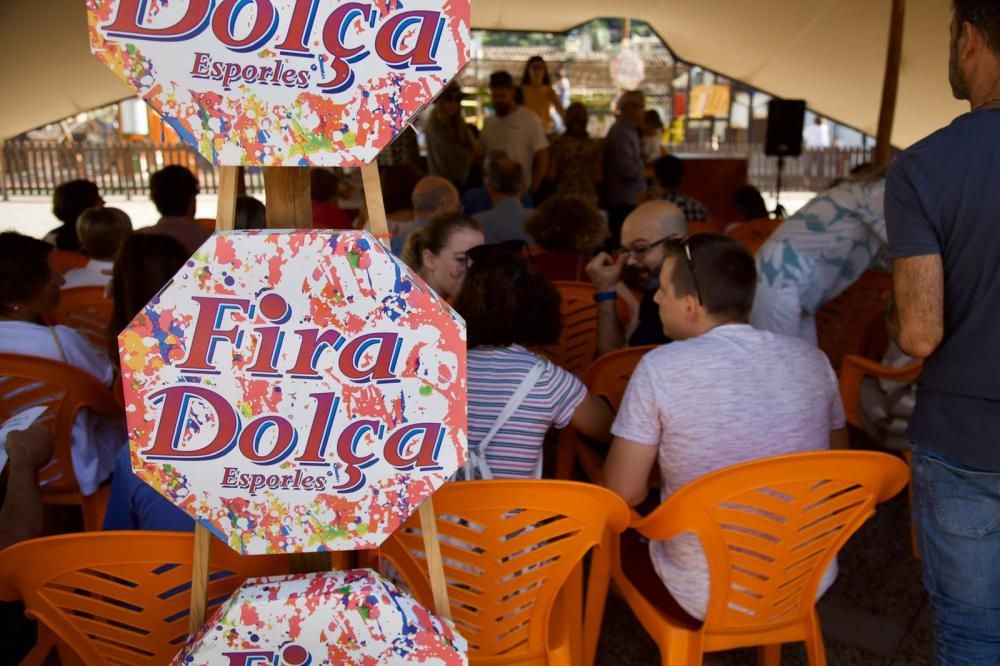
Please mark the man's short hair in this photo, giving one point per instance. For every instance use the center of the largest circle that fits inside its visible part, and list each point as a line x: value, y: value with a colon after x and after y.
x: 720, y: 270
x: 431, y: 198
x: 71, y: 198
x: 172, y: 188
x: 102, y: 231
x: 501, y: 79
x: 668, y: 171
x: 631, y: 97
x: 506, y: 176
x: 985, y: 15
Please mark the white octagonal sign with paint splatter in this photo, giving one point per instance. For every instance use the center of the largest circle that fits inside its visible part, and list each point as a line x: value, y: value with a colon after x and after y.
x: 296, y: 391
x: 283, y: 82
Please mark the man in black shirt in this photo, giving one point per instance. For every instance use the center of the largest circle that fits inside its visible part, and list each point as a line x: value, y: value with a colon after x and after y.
x: 941, y: 206
x: 643, y: 234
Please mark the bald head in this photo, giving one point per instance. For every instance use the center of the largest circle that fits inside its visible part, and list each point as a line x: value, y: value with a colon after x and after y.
x: 433, y: 196
x: 652, y: 221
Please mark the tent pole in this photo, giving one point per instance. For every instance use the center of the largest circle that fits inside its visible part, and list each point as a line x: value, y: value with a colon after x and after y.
x: 890, y: 86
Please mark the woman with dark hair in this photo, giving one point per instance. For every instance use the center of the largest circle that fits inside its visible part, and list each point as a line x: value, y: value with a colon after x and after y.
x: 569, y: 230
x: 514, y: 395
x: 145, y: 263
x: 69, y: 200
x: 438, y: 252
x: 451, y: 146
x: 29, y: 287
x: 539, y: 96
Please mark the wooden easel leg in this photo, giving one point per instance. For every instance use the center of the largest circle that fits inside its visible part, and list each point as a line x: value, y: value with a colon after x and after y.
x: 199, y: 578
x: 287, y: 190
x: 225, y: 216
x: 435, y: 564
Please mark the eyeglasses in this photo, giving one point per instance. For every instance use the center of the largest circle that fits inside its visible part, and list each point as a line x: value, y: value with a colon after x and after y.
x: 685, y: 245
x: 637, y: 251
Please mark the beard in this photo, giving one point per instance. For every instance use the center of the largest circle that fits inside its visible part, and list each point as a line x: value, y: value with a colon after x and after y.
x: 501, y: 108
x: 959, y: 84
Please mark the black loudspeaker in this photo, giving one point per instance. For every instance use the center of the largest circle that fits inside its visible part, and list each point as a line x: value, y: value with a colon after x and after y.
x: 785, y: 118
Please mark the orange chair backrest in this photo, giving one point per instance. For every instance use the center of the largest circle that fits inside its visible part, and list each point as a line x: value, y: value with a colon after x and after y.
x: 608, y: 376
x: 577, y: 344
x: 64, y: 260
x: 753, y: 233
x: 769, y: 528
x: 847, y: 323
x: 207, y: 223
x: 559, y: 265
x: 508, y: 547
x: 121, y: 597
x: 28, y: 381
x: 87, y: 310
x: 703, y: 227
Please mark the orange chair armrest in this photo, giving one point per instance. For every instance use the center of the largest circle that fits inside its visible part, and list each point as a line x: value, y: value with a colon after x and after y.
x: 855, y: 368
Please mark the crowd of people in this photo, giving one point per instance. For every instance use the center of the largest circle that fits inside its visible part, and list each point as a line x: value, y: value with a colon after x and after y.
x: 492, y: 217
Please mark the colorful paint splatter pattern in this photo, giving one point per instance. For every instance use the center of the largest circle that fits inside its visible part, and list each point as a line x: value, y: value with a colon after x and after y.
x: 339, y: 617
x: 348, y: 282
x: 265, y: 120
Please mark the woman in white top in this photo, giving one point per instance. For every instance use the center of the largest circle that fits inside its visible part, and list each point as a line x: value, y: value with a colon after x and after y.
x: 29, y: 287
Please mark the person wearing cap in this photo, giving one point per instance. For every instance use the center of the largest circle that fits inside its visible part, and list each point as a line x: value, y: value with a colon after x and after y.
x: 451, y: 147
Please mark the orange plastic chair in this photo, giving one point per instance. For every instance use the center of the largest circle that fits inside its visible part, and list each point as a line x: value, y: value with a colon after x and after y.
x: 769, y: 529
x: 27, y: 381
x: 206, y: 223
x: 577, y: 344
x: 64, y: 260
x: 513, y: 553
x: 704, y: 227
x: 559, y: 265
x: 850, y: 323
x: 118, y: 597
x: 607, y: 377
x: 87, y: 310
x: 753, y: 233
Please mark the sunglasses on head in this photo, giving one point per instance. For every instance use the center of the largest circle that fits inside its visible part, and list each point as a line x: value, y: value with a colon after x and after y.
x: 684, y: 245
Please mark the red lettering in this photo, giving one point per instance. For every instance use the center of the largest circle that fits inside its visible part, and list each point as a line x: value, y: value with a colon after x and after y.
x: 201, y: 62
x: 264, y: 25
x: 313, y: 344
x: 284, y: 440
x: 173, y: 424
x: 319, y: 432
x: 421, y: 53
x: 128, y: 22
x: 346, y: 445
x: 267, y: 351
x: 425, y: 457
x: 207, y: 331
x: 230, y: 477
x: 299, y: 28
x: 382, y: 368
x: 249, y: 657
x: 338, y: 24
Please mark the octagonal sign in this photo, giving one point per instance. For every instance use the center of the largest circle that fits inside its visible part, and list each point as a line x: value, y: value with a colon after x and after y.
x: 295, y: 391
x: 334, y: 617
x: 283, y: 82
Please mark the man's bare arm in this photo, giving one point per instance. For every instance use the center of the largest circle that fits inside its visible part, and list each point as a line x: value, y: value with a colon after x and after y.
x: 916, y: 321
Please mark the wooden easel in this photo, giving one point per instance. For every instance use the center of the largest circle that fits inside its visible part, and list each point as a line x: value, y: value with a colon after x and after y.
x: 289, y: 206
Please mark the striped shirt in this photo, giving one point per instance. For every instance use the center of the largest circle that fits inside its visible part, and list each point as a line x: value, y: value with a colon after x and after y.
x: 494, y: 375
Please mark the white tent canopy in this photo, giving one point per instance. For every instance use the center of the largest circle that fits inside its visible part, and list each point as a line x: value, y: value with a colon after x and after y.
x: 828, y: 52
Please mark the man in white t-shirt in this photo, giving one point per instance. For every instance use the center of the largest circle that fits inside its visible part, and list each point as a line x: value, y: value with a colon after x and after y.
x: 101, y: 232
x: 516, y: 131
x: 722, y: 393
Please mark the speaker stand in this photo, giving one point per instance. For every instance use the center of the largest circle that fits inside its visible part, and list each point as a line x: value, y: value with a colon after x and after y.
x: 779, y: 210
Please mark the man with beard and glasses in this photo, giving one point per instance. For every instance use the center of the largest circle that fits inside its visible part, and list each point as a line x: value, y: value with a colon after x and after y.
x: 516, y: 131
x: 941, y: 206
x: 644, y: 233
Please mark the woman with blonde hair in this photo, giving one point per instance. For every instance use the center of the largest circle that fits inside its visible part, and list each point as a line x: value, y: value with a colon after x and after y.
x: 438, y: 251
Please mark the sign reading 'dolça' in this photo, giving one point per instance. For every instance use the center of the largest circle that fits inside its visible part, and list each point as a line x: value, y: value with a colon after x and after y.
x: 295, y: 391
x: 283, y: 82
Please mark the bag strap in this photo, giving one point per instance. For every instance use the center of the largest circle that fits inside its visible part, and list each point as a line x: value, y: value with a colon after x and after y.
x: 59, y: 345
x: 477, y: 456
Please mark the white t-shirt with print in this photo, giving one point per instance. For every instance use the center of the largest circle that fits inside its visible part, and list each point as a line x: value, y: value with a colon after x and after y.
x: 95, y: 273
x: 96, y: 440
x: 519, y: 134
x: 732, y: 395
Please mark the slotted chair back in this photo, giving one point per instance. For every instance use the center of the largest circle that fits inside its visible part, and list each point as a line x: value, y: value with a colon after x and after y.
x: 29, y: 381
x: 608, y: 378
x: 753, y: 233
x: 65, y: 260
x: 509, y: 547
x: 577, y: 344
x: 117, y: 598
x: 87, y: 310
x: 769, y: 530
x: 845, y: 324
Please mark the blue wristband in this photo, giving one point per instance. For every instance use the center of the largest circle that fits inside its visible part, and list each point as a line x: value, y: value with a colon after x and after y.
x: 605, y: 296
